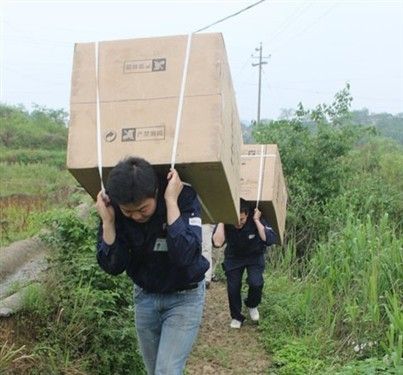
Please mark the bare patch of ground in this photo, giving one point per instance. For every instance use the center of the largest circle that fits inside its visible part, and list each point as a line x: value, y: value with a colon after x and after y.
x: 221, y: 350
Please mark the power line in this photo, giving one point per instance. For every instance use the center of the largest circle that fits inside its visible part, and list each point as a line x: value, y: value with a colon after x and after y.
x: 230, y: 16
x: 324, y: 14
x: 269, y: 86
x: 242, y: 68
x: 291, y: 20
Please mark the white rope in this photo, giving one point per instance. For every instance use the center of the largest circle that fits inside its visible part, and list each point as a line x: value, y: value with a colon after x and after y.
x: 98, y: 115
x: 259, y: 187
x: 179, y: 118
x: 230, y: 16
x: 180, y: 105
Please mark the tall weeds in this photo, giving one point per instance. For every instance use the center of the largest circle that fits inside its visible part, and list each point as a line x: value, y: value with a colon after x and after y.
x: 347, y: 300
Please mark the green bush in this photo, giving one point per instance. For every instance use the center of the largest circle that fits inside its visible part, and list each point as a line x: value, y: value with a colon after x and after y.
x: 41, y: 129
x: 112, y: 340
x: 89, y: 328
x: 312, y: 146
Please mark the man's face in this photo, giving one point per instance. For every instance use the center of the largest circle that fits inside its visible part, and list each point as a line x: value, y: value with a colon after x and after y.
x: 242, y: 220
x: 141, y: 212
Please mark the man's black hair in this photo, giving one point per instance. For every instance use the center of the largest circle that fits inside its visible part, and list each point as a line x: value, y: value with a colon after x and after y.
x: 244, y: 207
x: 131, y: 181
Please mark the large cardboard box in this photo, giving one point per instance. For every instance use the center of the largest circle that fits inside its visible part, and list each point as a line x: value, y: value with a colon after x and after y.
x: 273, y: 197
x: 139, y: 86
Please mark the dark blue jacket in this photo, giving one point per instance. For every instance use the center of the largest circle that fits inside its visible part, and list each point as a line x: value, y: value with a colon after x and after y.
x: 159, y: 258
x: 244, y: 246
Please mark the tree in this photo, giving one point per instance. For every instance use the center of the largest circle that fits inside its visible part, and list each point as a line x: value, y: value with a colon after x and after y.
x: 311, y: 146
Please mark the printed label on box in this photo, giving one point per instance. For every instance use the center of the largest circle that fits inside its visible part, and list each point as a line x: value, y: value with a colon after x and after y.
x: 145, y: 66
x: 150, y: 133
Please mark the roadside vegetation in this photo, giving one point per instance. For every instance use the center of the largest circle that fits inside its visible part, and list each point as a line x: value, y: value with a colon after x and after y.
x: 34, y: 179
x: 333, y: 292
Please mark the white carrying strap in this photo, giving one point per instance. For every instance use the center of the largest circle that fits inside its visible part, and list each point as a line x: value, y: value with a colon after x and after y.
x: 98, y: 120
x: 179, y: 117
x: 261, y: 169
x: 180, y: 105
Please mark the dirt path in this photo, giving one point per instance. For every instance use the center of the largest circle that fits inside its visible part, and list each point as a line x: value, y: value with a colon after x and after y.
x: 221, y: 350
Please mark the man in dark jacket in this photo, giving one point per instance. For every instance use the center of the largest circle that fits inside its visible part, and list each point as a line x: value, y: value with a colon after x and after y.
x: 246, y: 245
x: 151, y: 228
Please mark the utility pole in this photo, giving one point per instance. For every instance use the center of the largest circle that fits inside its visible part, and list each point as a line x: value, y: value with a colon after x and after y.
x: 260, y: 63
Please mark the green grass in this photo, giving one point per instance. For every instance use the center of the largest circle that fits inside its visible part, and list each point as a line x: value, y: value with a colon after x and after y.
x: 27, y: 191
x: 34, y: 179
x: 345, y: 306
x: 10, y: 354
x: 56, y: 158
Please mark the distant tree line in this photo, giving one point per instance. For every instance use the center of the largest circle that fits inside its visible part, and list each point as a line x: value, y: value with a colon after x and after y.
x: 386, y: 124
x: 383, y: 124
x: 42, y: 128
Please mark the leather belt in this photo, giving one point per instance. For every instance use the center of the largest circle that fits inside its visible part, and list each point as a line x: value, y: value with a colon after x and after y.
x: 188, y: 287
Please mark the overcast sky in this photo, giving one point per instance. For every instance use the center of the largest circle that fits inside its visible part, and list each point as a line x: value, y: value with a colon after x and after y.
x: 315, y: 47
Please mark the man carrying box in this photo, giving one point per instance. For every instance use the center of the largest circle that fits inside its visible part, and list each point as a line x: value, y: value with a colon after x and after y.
x: 152, y: 230
x: 246, y: 245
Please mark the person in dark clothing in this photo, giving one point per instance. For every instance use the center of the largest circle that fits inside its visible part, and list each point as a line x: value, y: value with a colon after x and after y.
x: 246, y: 245
x: 151, y: 228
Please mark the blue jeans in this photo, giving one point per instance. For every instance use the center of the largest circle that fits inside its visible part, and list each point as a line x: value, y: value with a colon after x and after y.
x: 167, y: 326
